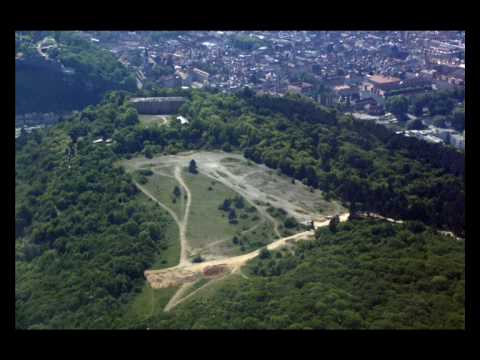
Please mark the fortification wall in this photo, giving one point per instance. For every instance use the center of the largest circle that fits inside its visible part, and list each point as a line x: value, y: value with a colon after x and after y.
x: 158, y: 105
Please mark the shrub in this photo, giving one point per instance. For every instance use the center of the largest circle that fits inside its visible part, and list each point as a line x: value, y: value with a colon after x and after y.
x: 290, y: 222
x: 265, y: 253
x: 145, y: 172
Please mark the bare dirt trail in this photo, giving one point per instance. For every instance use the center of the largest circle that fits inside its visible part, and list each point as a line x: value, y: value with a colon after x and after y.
x: 183, y: 226
x: 252, y: 228
x: 175, y: 300
x: 188, y: 274
x: 170, y: 211
x: 272, y: 220
x: 177, y: 296
x: 231, y: 265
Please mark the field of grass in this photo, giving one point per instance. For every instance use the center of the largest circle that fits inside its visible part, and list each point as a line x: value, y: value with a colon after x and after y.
x: 207, y: 223
x: 153, y: 120
x: 162, y: 188
x: 251, y: 240
x: 198, y: 284
x: 170, y: 254
x: 211, y: 289
x: 149, y: 302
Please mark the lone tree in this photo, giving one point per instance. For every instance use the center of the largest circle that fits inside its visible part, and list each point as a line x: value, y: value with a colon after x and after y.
x: 264, y: 253
x: 239, y: 202
x: 226, y: 205
x: 232, y: 216
x: 332, y: 225
x: 193, y: 167
x: 398, y: 106
x: 176, y: 191
x: 290, y: 222
x: 148, y: 153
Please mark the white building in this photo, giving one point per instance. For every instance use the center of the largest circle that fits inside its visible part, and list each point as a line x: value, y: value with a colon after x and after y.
x: 182, y: 120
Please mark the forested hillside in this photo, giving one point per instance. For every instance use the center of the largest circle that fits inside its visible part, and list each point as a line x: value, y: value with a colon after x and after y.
x: 365, y: 275
x: 366, y: 165
x: 77, y: 73
x: 84, y: 234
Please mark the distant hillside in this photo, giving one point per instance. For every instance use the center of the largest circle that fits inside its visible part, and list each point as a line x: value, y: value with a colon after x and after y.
x: 57, y: 71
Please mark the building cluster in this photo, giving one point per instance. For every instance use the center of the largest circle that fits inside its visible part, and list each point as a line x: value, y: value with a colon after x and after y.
x: 353, y: 65
x: 357, y: 70
x: 438, y: 135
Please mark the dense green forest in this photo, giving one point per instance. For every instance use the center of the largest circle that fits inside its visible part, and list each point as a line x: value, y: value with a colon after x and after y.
x: 365, y: 275
x: 84, y: 235
x: 42, y: 86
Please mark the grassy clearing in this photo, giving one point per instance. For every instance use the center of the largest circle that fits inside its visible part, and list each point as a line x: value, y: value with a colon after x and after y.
x: 162, y: 188
x: 198, y: 284
x: 254, y: 239
x: 153, y: 120
x: 170, y: 253
x: 287, y: 225
x: 211, y: 289
x: 207, y: 223
x: 149, y: 302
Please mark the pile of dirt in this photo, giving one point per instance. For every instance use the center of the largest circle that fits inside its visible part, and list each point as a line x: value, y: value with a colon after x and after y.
x: 215, y: 270
x: 173, y: 278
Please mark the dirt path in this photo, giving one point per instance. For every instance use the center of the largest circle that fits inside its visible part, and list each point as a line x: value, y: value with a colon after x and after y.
x: 170, y: 211
x: 176, y: 298
x: 174, y: 302
x: 234, y: 264
x: 252, y: 228
x: 186, y: 275
x: 272, y: 220
x: 183, y: 225
x: 254, y: 182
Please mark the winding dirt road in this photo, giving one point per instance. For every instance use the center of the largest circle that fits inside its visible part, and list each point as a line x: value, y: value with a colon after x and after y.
x: 185, y: 275
x: 182, y: 224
